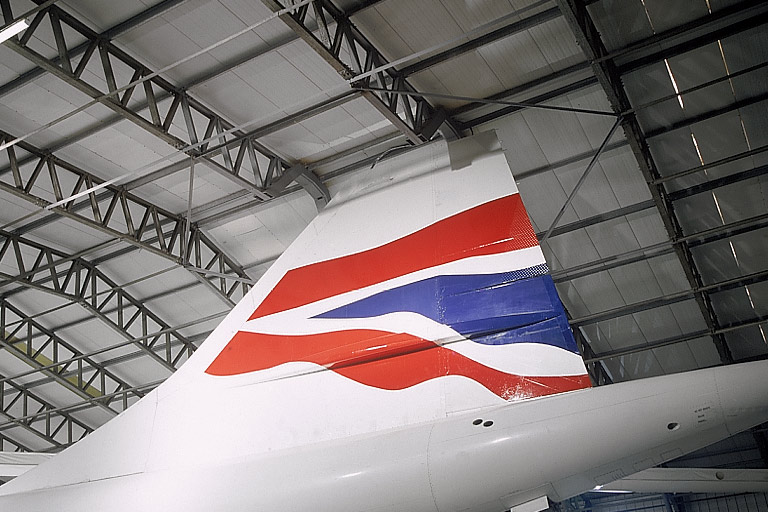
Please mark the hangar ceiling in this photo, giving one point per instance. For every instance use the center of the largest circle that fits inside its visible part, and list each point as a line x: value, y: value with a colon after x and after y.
x: 157, y: 156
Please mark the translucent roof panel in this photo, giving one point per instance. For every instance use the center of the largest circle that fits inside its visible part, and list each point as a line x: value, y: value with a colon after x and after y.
x: 725, y: 205
x: 748, y: 342
x: 620, y: 23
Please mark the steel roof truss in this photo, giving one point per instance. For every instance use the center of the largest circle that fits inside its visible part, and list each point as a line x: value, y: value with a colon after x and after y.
x: 42, y: 349
x: 24, y: 409
x: 136, y: 221
x: 147, y: 114
x: 79, y: 281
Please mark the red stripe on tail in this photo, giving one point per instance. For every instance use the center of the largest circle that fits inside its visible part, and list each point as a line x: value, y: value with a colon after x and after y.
x: 380, y: 359
x: 498, y: 226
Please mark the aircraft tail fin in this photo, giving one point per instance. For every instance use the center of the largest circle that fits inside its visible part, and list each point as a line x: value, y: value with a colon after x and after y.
x: 418, y: 276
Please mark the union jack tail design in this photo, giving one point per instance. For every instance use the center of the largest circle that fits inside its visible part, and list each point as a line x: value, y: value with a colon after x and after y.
x: 424, y: 276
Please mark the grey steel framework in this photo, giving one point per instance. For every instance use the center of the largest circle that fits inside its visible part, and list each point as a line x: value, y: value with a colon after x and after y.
x: 60, y: 388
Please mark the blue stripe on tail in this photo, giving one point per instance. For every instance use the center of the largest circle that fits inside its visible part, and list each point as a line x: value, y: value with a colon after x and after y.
x: 493, y: 309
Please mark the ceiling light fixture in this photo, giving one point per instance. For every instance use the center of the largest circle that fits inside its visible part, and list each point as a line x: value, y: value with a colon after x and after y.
x: 13, y: 29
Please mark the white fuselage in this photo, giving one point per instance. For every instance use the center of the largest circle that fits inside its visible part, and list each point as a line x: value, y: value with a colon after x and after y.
x: 557, y: 446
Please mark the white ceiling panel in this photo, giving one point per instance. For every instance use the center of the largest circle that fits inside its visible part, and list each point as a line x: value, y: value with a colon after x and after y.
x: 222, y: 89
x: 697, y: 213
x: 571, y: 299
x: 715, y: 261
x: 555, y: 40
x: 733, y: 306
x: 595, y: 195
x: 186, y: 29
x: 666, y: 14
x: 572, y: 249
x: 675, y: 359
x: 750, y: 250
x: 15, y: 208
x: 743, y: 200
x: 657, y: 324
x: 350, y: 125
x: 515, y: 59
x: 599, y: 292
x: 636, y: 282
x: 44, y: 101
x: 620, y: 23
x: 100, y: 16
x: 268, y: 74
x: 520, y: 146
x: 640, y: 365
x: 450, y: 77
x: 755, y: 122
x: 613, y: 237
x: 551, y: 129
x: 674, y: 151
x: 596, y: 127
x: 172, y: 191
x: 748, y: 342
x: 12, y: 64
x: 720, y: 136
x: 627, y: 183
x: 688, y: 316
x: 543, y: 197
x: 595, y: 338
x: 621, y: 333
x: 745, y: 49
x: 68, y: 235
x: 704, y: 351
x: 669, y: 273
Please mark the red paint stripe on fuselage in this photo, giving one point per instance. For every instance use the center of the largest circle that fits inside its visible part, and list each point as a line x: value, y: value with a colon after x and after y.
x: 498, y: 226
x: 380, y: 359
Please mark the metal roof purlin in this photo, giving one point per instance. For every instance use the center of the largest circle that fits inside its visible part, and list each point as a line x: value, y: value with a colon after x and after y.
x: 409, y: 114
x: 588, y: 38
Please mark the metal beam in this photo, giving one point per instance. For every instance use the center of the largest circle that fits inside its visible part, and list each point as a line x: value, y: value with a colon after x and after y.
x: 9, y: 445
x: 336, y: 32
x: 134, y: 21
x: 720, y: 24
x: 120, y: 215
x: 248, y: 166
x: 672, y: 298
x: 493, y: 36
x: 709, y: 186
x: 26, y: 410
x: 42, y: 350
x: 740, y: 227
x: 77, y: 280
x: 30, y: 410
x: 588, y: 38
x: 744, y: 324
x: 540, y: 98
x: 684, y: 123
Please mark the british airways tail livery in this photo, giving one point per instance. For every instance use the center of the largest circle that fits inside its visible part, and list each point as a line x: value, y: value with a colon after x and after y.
x: 407, y: 352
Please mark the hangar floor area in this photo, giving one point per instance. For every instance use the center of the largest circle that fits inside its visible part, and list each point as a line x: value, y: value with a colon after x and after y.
x: 157, y: 156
